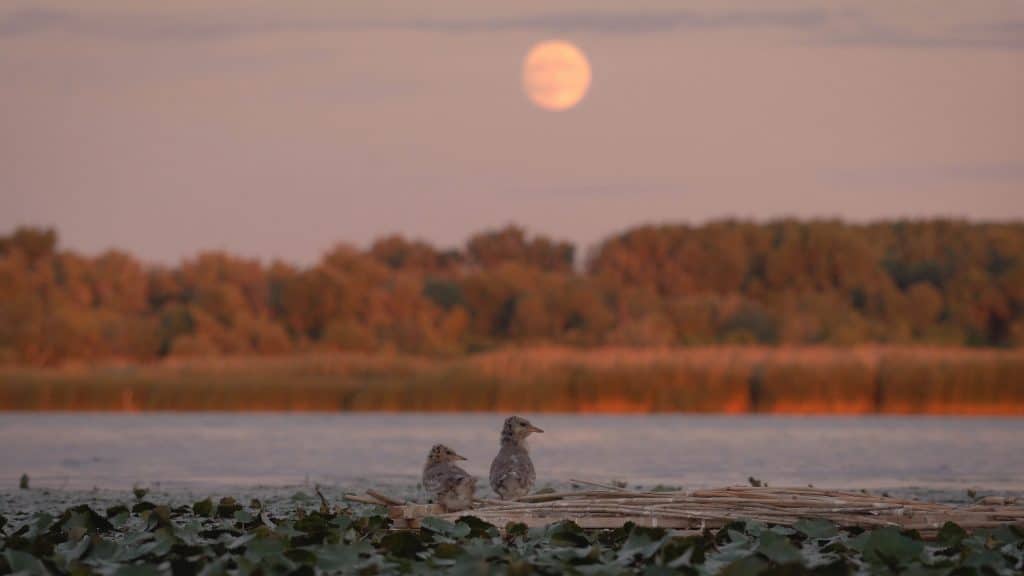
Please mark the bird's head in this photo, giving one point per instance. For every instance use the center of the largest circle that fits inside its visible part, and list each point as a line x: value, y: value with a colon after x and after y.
x: 516, y: 429
x: 441, y: 453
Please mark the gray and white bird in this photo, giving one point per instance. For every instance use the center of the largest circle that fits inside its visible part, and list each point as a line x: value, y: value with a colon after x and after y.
x: 512, y: 473
x: 451, y: 486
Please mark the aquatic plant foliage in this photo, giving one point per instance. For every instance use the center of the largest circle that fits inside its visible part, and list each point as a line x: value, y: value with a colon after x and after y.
x: 144, y: 538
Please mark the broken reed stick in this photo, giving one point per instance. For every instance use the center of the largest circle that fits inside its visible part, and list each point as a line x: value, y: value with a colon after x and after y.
x: 362, y: 499
x: 385, y: 498
x: 599, y: 485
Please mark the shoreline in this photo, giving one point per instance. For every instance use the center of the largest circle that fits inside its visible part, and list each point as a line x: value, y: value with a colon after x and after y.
x: 721, y: 380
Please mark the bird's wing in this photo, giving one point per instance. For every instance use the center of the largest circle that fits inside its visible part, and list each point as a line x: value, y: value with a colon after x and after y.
x: 434, y: 478
x: 507, y: 467
x: 445, y: 477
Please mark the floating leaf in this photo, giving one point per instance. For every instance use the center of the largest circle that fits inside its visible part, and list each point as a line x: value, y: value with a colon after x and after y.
x: 85, y: 517
x: 402, y: 544
x: 516, y: 530
x: 142, y: 507
x: 888, y: 546
x: 678, y: 552
x: 951, y: 534
x: 749, y: 566
x: 24, y: 563
x: 642, y: 544
x: 227, y: 507
x: 72, y: 549
x: 446, y: 528
x: 448, y: 550
x: 136, y: 570
x: 40, y: 524
x: 259, y: 548
x: 778, y: 549
x: 819, y: 529
x: 335, y: 557
x: 566, y: 533
x: 478, y: 528
x: 203, y: 508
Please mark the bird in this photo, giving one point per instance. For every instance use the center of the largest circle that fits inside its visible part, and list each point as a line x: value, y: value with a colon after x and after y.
x: 512, y: 473
x: 451, y: 486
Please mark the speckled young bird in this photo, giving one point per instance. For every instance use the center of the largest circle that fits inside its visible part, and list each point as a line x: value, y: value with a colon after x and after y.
x: 451, y: 486
x: 512, y: 473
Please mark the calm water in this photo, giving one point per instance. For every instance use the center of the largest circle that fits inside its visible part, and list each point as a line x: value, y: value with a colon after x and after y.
x: 223, y: 450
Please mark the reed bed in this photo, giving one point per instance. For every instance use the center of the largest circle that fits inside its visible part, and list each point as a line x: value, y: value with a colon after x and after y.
x: 608, y: 506
x: 709, y: 380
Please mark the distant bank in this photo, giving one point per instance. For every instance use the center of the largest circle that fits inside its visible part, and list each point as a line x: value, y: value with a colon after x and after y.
x: 805, y: 380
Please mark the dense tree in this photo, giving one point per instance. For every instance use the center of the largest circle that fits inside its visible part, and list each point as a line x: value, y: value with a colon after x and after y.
x: 785, y: 282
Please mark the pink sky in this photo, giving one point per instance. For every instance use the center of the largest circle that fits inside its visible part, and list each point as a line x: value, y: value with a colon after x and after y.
x: 277, y: 129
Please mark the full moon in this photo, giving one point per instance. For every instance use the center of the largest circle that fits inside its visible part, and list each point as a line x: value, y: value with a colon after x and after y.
x: 556, y: 75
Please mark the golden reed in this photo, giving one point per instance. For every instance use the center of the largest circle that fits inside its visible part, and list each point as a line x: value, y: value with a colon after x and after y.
x: 611, y: 380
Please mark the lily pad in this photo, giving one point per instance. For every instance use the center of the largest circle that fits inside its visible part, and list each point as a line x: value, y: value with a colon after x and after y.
x: 819, y: 529
x: 446, y: 528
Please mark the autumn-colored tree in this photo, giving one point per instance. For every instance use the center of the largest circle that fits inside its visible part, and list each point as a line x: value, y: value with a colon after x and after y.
x: 785, y: 282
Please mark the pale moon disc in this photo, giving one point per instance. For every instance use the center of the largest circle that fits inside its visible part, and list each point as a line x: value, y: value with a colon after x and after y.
x: 556, y: 75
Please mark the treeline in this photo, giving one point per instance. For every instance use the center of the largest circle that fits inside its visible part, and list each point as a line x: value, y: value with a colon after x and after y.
x: 781, y: 283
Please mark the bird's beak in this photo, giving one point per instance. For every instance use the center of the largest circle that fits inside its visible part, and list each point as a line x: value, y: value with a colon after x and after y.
x: 460, y: 457
x: 535, y: 429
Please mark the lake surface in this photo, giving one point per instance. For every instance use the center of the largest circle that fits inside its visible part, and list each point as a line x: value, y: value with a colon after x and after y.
x: 115, y: 451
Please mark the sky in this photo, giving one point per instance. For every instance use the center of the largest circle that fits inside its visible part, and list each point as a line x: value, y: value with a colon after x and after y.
x: 278, y: 129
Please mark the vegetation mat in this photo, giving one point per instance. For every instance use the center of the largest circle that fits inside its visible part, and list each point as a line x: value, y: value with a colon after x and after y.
x: 611, y: 506
x: 144, y: 538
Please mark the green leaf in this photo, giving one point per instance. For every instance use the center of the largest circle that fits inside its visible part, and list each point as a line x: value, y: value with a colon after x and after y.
x: 227, y: 507
x: 136, y: 570
x: 72, y: 550
x: 39, y: 525
x: 985, y: 559
x: 688, y: 551
x: 749, y: 566
x: 659, y: 571
x: 217, y: 567
x: 778, y: 549
x: 888, y: 546
x: 402, y: 544
x: 335, y: 557
x: 23, y: 562
x: 259, y: 548
x: 478, y: 528
x: 243, y: 517
x: 516, y: 530
x: 203, y: 508
x: 446, y: 528
x: 448, y: 550
x: 566, y: 533
x: 642, y: 543
x: 951, y: 534
x: 818, y: 529
x: 85, y: 517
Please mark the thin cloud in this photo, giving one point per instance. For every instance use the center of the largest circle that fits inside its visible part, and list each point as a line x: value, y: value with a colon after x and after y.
x: 618, y: 22
x: 907, y: 176
x: 857, y: 28
x: 823, y: 25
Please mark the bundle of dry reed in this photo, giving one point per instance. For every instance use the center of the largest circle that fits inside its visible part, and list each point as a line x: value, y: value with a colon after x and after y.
x: 604, y: 506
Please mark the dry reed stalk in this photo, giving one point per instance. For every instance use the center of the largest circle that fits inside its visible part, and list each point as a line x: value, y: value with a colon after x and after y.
x: 715, y: 508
